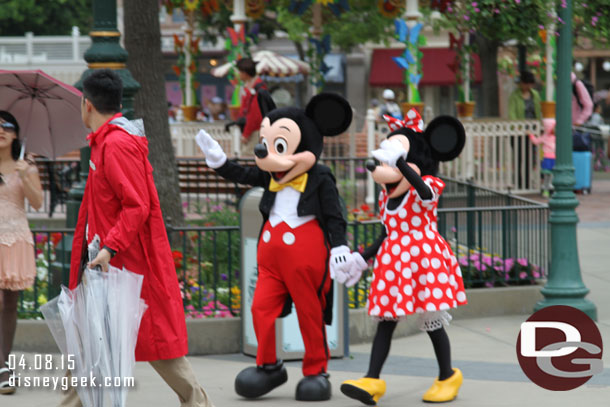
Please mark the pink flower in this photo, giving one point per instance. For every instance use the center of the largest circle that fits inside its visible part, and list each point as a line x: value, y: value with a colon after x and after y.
x: 522, y: 262
x: 449, y: 9
x: 476, y: 10
x: 466, y: 17
x: 518, y: 1
x: 523, y: 275
x: 474, y: 4
x: 497, y: 11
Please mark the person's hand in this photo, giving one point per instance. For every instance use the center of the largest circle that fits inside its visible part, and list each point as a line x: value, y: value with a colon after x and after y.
x: 357, y: 266
x: 389, y: 152
x: 102, y: 259
x: 338, y: 264
x: 22, y: 168
x: 215, y: 157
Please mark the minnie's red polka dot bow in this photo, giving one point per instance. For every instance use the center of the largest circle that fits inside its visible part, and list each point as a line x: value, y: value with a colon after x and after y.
x: 413, y: 121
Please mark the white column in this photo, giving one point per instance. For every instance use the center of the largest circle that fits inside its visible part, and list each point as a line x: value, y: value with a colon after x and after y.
x: 550, y: 33
x: 29, y: 46
x: 370, y: 146
x: 75, y: 38
x: 239, y: 13
x: 188, y: 85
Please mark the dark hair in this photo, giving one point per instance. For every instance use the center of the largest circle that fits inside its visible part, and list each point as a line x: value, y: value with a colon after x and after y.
x: 104, y: 89
x: 247, y: 65
x: 527, y: 77
x: 16, y: 146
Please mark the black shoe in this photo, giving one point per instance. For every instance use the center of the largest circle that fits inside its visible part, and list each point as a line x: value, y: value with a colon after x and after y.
x: 256, y: 381
x: 314, y: 388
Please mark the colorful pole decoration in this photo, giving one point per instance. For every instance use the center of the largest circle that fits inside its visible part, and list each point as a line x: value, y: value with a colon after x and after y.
x: 410, y: 60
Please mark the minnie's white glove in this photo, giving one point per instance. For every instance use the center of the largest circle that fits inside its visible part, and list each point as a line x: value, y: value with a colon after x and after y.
x: 389, y: 152
x: 215, y: 157
x: 357, y: 266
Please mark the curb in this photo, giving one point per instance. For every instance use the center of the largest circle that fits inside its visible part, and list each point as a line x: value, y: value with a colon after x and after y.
x: 219, y: 336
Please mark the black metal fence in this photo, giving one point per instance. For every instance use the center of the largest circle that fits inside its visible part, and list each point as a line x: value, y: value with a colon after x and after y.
x: 202, y: 190
x: 495, y: 245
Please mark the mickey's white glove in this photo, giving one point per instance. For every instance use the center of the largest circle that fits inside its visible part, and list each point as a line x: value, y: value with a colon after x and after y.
x: 215, y: 157
x: 340, y: 257
x: 389, y: 152
x: 357, y: 266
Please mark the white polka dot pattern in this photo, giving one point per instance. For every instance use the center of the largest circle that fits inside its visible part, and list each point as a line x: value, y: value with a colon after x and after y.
x: 415, y: 270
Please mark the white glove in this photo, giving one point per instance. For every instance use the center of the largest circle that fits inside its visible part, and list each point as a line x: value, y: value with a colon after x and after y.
x: 339, y: 263
x: 389, y: 152
x: 215, y: 157
x: 358, y: 265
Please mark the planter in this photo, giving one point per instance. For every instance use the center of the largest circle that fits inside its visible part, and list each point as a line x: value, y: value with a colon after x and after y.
x: 465, y: 109
x: 189, y: 112
x: 548, y: 110
x: 234, y: 112
x: 406, y: 106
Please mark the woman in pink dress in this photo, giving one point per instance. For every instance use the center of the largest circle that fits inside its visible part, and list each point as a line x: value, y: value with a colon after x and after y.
x: 415, y: 271
x: 18, y: 180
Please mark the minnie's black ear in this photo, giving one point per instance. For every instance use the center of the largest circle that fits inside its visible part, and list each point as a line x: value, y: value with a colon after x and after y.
x: 331, y: 113
x: 446, y: 137
x: 265, y: 102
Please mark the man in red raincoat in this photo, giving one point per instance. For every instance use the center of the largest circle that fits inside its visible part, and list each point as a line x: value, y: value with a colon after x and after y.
x: 121, y: 206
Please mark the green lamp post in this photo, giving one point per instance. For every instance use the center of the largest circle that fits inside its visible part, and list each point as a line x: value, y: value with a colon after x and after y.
x: 105, y: 53
x: 565, y: 285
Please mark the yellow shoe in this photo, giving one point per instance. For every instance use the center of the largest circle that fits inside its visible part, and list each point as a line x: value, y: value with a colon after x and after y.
x: 444, y: 390
x: 366, y: 390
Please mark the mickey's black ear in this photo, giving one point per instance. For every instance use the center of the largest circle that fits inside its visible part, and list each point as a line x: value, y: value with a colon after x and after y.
x: 331, y: 113
x: 446, y: 137
x: 265, y: 102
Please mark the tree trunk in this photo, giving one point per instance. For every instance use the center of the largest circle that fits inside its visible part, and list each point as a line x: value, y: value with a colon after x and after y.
x: 488, y: 53
x: 143, y: 43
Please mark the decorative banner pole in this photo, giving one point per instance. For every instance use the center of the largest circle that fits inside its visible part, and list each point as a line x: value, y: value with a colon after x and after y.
x: 187, y: 58
x: 412, y: 14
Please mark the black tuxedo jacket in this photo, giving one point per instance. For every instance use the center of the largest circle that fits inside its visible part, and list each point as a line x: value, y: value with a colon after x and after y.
x: 320, y: 198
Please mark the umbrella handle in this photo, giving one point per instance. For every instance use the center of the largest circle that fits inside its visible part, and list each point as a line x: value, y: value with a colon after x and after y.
x: 22, y: 153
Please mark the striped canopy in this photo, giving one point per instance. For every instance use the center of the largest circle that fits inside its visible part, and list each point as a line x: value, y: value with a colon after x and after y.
x: 269, y: 63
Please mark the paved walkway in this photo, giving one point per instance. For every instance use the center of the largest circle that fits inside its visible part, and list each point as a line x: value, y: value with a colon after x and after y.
x: 484, y: 348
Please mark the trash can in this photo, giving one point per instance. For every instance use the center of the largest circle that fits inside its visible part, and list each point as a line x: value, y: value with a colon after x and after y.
x: 288, y: 336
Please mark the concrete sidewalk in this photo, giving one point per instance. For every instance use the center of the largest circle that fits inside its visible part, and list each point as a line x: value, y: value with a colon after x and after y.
x: 484, y: 348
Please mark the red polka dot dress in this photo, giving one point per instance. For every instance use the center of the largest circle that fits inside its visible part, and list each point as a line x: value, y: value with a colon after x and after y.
x: 415, y: 270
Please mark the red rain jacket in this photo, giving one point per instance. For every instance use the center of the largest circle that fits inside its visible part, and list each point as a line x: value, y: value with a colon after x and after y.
x: 121, y: 205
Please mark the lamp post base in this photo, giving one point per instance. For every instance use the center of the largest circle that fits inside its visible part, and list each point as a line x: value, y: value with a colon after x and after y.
x: 582, y: 304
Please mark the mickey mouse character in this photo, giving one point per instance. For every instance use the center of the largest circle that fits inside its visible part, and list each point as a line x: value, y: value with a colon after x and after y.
x: 415, y: 271
x: 303, y: 227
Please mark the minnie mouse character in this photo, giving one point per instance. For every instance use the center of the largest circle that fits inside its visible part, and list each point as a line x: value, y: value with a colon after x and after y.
x: 415, y: 271
x: 302, y: 244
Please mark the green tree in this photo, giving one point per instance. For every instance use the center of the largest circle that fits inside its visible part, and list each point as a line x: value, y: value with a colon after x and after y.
x: 44, y: 17
x: 491, y: 23
x: 360, y: 24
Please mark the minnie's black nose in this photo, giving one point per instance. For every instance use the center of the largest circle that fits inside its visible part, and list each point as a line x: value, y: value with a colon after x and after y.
x: 370, y: 165
x: 260, y: 150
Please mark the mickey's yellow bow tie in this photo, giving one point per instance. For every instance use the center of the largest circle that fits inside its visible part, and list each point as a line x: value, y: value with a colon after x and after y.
x: 298, y: 183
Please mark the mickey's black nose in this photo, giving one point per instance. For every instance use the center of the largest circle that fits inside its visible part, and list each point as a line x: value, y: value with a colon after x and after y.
x: 370, y: 165
x: 260, y: 150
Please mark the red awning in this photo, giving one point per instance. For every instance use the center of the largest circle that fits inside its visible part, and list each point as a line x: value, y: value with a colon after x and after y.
x: 435, y: 65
